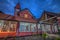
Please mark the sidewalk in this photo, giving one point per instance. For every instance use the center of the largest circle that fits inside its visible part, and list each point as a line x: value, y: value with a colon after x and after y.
x: 53, y: 35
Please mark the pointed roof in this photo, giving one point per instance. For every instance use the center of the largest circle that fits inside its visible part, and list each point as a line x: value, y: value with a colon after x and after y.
x: 52, y: 13
x: 27, y: 10
x: 48, y: 13
x: 17, y: 6
x: 5, y: 16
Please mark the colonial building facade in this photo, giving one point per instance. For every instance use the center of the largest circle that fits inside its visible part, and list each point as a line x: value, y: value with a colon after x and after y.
x: 24, y: 23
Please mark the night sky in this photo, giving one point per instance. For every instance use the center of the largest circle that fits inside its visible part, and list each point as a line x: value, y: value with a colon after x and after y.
x: 35, y: 6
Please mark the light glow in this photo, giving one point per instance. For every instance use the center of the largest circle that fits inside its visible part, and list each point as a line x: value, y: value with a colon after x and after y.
x: 26, y: 16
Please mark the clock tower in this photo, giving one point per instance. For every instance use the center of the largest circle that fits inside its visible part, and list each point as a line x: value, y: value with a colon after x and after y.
x: 17, y: 10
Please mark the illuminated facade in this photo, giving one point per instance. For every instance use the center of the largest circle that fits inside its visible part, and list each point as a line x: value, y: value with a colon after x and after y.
x: 49, y: 23
x: 8, y: 26
x: 24, y: 23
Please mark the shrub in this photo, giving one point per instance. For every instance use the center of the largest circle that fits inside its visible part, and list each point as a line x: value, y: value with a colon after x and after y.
x: 44, y: 35
x: 57, y: 39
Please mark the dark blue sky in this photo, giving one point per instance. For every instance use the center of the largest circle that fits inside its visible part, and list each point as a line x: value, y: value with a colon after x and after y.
x: 35, y: 6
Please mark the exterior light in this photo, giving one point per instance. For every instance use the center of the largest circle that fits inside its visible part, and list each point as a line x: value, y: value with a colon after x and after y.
x: 26, y: 16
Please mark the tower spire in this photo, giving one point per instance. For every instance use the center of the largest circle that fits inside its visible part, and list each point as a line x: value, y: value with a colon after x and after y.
x: 17, y: 9
x: 17, y: 6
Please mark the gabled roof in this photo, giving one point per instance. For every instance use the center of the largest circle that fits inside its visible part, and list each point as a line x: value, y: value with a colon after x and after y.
x: 49, y: 13
x: 4, y: 16
x: 26, y: 9
x: 17, y: 6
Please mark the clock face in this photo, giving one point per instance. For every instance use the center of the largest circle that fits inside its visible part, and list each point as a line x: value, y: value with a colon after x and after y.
x: 17, y: 10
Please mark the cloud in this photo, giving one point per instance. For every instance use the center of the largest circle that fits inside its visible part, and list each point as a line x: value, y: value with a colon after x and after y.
x: 7, y: 6
x: 35, y: 6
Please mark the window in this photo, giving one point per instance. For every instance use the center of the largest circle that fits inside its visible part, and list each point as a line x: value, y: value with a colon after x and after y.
x: 24, y: 27
x: 47, y: 28
x: 33, y: 27
x: 39, y: 27
x: 8, y: 26
x: 55, y: 29
x: 58, y: 26
x: 27, y: 27
x: 12, y: 26
x: 5, y: 26
x: 43, y: 27
x: 1, y: 24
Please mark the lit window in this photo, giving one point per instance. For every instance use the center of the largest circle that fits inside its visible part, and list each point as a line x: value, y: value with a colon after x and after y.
x: 24, y: 27
x: 33, y: 27
x: 25, y: 15
x: 8, y: 26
